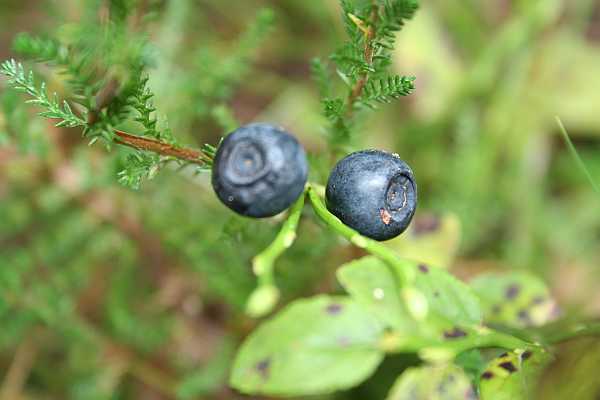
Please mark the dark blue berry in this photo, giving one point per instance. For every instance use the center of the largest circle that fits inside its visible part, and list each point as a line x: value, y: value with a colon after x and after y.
x: 373, y: 192
x: 259, y: 170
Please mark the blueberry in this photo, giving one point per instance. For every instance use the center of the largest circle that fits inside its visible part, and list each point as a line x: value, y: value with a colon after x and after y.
x: 373, y: 192
x: 259, y: 170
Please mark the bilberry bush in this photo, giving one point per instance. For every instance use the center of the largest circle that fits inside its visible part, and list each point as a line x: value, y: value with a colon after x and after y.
x: 104, y: 78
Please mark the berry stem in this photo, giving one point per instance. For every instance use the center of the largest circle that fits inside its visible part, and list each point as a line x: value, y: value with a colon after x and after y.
x: 263, y: 263
x: 375, y: 248
x: 265, y: 296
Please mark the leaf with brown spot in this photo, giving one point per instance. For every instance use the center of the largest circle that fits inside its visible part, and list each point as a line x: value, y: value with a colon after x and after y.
x: 509, y: 366
x: 513, y: 375
x: 305, y: 351
x: 333, y: 309
x: 432, y: 382
x: 515, y: 299
x: 450, y: 302
x: 487, y: 375
x: 455, y: 333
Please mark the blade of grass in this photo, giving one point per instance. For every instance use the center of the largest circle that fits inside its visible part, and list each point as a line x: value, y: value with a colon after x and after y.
x: 576, y: 156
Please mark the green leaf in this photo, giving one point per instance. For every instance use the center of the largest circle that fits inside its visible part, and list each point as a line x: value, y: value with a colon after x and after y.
x: 313, y: 346
x: 516, y: 299
x: 449, y: 298
x: 450, y: 302
x: 472, y: 363
x: 444, y: 382
x: 513, y: 375
x: 437, y: 316
x: 372, y: 284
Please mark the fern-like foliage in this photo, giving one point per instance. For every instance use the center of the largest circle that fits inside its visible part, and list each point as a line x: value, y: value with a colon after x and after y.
x: 393, y: 14
x: 350, y: 57
x: 142, y: 102
x: 362, y: 64
x: 386, y: 90
x: 40, y: 49
x: 138, y: 167
x: 392, y: 17
x: 54, y: 108
x: 75, y: 66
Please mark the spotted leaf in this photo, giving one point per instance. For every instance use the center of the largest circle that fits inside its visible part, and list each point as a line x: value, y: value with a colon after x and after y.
x: 313, y: 346
x: 515, y: 299
x: 444, y: 382
x: 441, y: 303
x: 513, y: 375
x: 374, y: 285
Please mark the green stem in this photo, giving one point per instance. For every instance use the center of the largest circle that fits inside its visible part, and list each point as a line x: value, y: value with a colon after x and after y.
x: 574, y: 331
x: 394, y: 342
x: 407, y: 275
x: 266, y: 295
x: 576, y: 156
x: 491, y: 339
x: 263, y: 263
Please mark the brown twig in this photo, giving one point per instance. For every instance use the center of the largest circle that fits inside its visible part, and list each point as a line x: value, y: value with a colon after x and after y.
x: 19, y: 370
x: 358, y: 88
x: 104, y: 97
x: 162, y: 148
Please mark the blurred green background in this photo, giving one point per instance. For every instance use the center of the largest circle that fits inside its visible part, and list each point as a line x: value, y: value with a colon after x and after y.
x: 109, y: 293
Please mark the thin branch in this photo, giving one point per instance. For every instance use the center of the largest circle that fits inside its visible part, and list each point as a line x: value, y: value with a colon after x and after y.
x: 107, y: 95
x: 379, y: 250
x: 358, y: 88
x: 20, y: 368
x: 162, y: 148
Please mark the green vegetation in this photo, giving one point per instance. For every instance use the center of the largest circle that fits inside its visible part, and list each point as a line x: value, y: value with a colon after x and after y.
x: 122, y: 276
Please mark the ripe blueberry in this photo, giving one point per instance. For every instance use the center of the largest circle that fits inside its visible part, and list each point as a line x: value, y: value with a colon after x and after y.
x: 373, y: 192
x: 259, y: 170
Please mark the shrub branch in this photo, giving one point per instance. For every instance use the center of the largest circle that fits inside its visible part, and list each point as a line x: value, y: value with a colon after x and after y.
x: 370, y: 35
x: 162, y: 148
